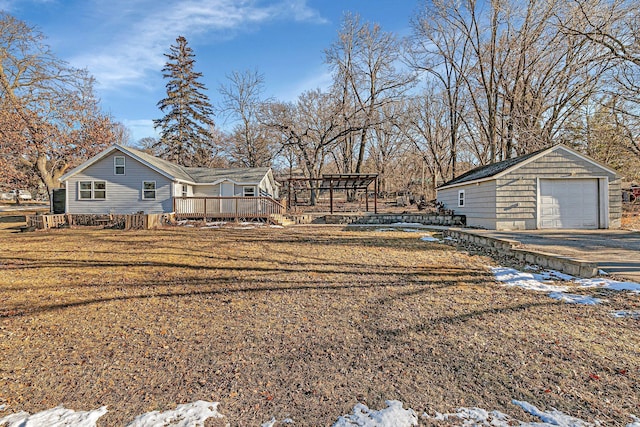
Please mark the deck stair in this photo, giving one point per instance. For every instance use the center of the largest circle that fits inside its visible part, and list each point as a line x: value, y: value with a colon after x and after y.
x: 280, y: 219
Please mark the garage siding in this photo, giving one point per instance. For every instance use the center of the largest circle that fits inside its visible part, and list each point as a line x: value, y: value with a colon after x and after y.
x: 510, y: 201
x: 480, y: 203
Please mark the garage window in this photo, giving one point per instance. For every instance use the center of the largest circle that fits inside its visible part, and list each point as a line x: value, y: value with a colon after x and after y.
x: 461, y: 198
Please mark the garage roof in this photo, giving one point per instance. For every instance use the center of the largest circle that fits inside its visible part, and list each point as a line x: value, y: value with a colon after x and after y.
x: 494, y: 170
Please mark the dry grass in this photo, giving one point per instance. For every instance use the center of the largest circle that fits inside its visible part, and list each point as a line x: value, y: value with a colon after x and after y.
x: 297, y: 322
x: 631, y: 217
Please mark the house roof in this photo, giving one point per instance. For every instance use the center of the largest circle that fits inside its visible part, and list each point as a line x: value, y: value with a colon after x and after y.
x: 494, y: 170
x: 175, y: 171
x: 193, y: 175
x: 238, y: 175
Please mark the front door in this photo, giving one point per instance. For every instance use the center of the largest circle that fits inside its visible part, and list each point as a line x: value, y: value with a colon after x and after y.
x: 227, y: 190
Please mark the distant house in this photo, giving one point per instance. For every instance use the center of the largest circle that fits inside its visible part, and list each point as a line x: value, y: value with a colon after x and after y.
x: 122, y: 180
x: 554, y: 188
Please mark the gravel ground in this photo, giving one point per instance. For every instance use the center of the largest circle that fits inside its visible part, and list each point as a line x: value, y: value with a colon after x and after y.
x: 299, y: 323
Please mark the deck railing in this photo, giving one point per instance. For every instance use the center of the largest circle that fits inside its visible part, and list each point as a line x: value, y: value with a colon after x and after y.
x: 227, y: 207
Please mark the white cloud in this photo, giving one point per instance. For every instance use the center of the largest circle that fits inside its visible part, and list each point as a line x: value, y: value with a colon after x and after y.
x: 145, y: 30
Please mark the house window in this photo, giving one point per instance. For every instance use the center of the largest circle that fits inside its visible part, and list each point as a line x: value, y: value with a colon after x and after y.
x: 249, y: 191
x: 185, y: 190
x: 118, y: 165
x: 90, y: 190
x: 461, y: 198
x: 148, y: 190
x: 99, y: 190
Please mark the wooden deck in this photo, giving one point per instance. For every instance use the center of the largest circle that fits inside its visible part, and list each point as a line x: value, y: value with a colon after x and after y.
x: 236, y: 208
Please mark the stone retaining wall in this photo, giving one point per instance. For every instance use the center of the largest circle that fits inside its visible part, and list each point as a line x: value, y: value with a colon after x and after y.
x: 509, y: 248
x: 381, y: 219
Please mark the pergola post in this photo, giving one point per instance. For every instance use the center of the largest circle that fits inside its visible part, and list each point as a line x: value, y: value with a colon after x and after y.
x: 375, y: 195
x: 331, y: 196
x: 366, y: 198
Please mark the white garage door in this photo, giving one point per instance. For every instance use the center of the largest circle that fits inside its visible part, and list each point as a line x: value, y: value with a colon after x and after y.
x: 568, y: 203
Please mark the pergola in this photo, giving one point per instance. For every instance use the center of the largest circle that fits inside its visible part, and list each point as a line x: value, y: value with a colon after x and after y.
x: 340, y: 181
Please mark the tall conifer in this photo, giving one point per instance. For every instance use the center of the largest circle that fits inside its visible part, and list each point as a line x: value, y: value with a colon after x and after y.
x: 185, y: 130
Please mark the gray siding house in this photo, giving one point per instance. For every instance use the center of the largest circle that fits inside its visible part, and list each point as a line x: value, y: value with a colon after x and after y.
x: 122, y: 180
x: 554, y: 188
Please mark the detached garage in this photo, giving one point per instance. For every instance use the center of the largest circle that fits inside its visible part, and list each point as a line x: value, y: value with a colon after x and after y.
x: 554, y: 188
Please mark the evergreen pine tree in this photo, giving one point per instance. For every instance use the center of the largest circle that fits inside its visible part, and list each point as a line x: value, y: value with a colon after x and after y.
x: 185, y: 129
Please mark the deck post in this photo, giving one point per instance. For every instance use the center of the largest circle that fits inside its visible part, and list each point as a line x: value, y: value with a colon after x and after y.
x: 236, y: 212
x: 205, y: 209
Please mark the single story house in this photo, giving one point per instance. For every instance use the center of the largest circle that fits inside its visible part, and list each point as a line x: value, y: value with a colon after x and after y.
x: 123, y: 180
x: 553, y: 188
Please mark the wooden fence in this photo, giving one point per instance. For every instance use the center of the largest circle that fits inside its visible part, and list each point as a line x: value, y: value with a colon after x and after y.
x: 119, y: 221
x: 45, y: 222
x: 237, y: 208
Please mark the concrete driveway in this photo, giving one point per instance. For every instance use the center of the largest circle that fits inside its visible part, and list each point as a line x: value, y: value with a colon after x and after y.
x: 616, y: 252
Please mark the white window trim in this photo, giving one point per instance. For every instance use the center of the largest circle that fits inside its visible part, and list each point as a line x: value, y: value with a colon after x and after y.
x: 185, y: 190
x: 462, y: 198
x: 123, y: 165
x: 252, y: 188
x: 92, y: 190
x: 155, y: 189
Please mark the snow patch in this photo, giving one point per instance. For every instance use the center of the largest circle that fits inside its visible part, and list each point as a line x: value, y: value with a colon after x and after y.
x: 481, y: 417
x: 624, y: 313
x: 56, y: 417
x: 407, y: 224
x: 269, y: 423
x: 553, y: 418
x: 543, y: 282
x: 392, y: 416
x: 575, y: 299
x: 609, y: 284
x: 531, y: 281
x: 187, y: 415
x: 475, y: 417
x: 430, y: 239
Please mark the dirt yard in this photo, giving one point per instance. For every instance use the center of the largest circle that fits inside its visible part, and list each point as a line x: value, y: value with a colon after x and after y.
x: 299, y: 323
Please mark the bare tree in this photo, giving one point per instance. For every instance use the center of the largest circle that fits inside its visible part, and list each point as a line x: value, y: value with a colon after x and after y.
x: 364, y: 60
x: 312, y: 127
x: 250, y: 143
x: 438, y: 48
x: 49, y: 111
x: 388, y: 143
x: 511, y: 80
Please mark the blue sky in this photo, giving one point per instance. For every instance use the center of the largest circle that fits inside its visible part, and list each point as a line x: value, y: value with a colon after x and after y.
x: 121, y: 42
